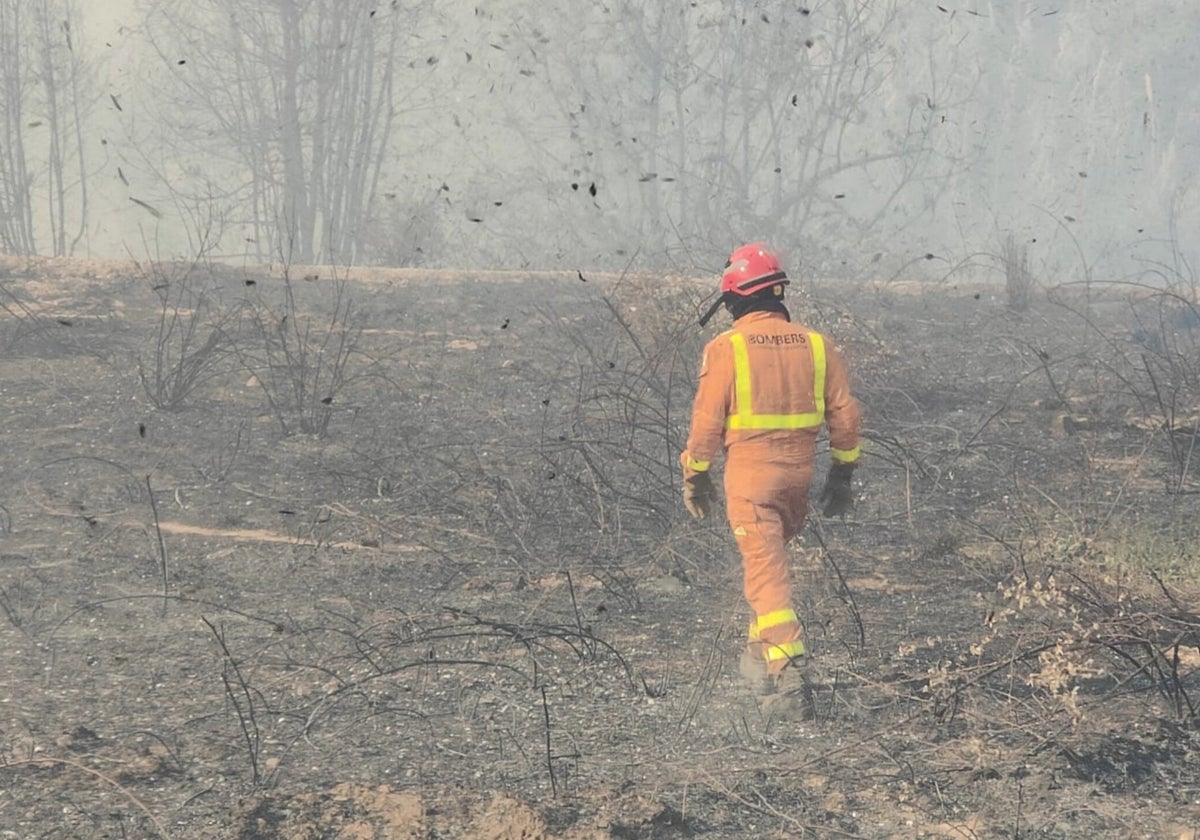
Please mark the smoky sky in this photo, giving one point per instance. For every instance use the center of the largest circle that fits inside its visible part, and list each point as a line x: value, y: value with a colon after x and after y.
x: 1060, y: 125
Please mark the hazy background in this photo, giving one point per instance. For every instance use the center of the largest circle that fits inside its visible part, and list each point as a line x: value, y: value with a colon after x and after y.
x: 863, y: 138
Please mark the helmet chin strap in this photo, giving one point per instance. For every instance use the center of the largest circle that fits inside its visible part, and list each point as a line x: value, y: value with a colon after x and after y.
x: 739, y: 305
x: 712, y: 310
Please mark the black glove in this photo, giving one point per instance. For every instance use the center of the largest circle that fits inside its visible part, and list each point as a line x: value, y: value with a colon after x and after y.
x: 837, y: 499
x: 698, y: 495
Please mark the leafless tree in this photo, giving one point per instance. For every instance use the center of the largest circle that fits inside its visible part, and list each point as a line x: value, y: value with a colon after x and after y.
x: 797, y: 122
x: 43, y: 183
x: 293, y: 101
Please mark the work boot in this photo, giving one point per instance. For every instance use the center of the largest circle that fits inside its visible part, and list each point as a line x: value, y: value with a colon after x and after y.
x: 752, y: 668
x: 792, y: 698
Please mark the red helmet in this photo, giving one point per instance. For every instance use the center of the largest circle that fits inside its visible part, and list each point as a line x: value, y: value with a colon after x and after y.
x: 752, y: 268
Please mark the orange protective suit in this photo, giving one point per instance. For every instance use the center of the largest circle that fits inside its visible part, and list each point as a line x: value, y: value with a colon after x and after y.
x: 766, y: 387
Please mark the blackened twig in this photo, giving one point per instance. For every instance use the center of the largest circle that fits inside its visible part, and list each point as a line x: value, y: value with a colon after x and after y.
x: 162, y: 546
x: 549, y: 754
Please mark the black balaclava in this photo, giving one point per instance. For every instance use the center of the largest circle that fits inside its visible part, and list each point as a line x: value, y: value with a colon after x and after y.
x: 769, y: 299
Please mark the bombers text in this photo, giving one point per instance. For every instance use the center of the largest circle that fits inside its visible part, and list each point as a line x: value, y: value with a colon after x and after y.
x: 786, y: 338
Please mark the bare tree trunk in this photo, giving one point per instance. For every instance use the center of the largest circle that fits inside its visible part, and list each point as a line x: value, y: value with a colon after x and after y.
x: 16, y: 206
x: 77, y: 113
x: 296, y: 209
x: 56, y: 190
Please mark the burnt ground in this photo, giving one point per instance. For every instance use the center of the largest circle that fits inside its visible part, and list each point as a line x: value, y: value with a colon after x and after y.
x: 400, y: 555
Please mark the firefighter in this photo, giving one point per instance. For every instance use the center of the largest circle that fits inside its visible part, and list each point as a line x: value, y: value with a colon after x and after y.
x: 766, y: 387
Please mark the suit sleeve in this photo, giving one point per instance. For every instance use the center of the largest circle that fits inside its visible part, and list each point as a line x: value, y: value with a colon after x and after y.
x: 843, y: 415
x: 709, y: 409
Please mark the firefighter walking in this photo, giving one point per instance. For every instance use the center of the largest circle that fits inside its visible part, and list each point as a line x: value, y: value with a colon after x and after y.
x: 766, y: 387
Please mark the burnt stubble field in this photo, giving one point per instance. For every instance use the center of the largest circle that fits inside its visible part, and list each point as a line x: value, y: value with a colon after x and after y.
x: 317, y: 553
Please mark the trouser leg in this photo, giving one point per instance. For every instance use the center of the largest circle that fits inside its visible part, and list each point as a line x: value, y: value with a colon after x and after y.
x: 775, y: 631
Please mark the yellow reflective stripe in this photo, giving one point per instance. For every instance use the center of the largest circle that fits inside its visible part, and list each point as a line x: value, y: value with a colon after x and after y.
x: 776, y: 618
x: 846, y: 456
x: 786, y: 650
x: 741, y: 382
x: 745, y: 418
x: 698, y: 466
x: 808, y: 420
x: 818, y: 354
